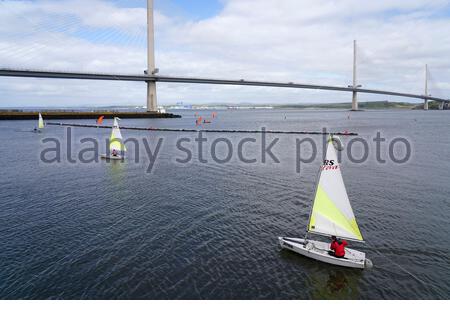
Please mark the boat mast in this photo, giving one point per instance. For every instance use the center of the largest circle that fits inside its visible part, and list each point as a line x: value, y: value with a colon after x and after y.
x: 319, y: 173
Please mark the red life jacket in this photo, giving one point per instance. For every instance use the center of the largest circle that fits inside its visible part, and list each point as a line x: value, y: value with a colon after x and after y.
x: 339, y: 249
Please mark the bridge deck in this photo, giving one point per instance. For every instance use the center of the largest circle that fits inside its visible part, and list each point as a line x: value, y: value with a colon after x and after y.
x: 241, y: 82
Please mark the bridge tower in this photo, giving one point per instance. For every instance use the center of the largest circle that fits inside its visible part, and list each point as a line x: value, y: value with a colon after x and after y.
x: 425, y: 105
x: 354, y: 93
x: 151, y: 85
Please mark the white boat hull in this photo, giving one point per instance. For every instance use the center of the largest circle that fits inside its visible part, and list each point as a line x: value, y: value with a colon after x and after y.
x: 111, y: 157
x: 319, y: 250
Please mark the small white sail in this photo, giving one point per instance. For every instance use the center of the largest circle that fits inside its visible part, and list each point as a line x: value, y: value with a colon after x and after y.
x: 332, y: 213
x: 116, y: 140
x: 40, y: 122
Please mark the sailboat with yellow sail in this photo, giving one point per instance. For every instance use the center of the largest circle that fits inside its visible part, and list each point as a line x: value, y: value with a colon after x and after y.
x: 40, y: 124
x: 116, y: 147
x: 331, y: 215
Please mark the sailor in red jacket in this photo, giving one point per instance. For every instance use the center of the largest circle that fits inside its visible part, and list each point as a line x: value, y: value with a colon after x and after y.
x: 338, y: 247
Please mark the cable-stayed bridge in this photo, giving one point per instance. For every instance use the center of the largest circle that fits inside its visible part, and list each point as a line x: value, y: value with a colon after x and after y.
x: 151, y: 76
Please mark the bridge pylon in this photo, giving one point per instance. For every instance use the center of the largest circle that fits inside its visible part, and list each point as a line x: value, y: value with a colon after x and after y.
x: 354, y: 86
x: 151, y: 85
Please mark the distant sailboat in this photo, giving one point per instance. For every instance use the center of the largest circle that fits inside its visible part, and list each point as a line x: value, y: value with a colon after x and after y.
x: 116, y: 146
x: 40, y: 124
x: 331, y: 215
x: 100, y: 120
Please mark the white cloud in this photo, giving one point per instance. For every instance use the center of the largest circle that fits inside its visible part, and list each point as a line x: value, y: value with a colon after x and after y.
x: 289, y: 40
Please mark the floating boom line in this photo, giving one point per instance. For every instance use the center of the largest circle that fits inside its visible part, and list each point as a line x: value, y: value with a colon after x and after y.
x: 202, y: 130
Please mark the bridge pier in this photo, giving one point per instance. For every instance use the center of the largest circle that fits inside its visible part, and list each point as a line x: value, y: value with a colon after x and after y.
x: 151, y: 96
x: 425, y: 105
x: 354, y: 101
x: 151, y: 85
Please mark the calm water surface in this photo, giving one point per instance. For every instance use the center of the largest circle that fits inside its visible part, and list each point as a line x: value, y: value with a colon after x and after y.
x: 209, y: 230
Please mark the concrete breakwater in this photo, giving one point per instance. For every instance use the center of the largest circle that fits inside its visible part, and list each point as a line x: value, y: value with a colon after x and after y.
x: 33, y: 115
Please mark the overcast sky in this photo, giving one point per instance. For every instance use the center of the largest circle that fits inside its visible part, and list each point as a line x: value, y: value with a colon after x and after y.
x: 307, y: 41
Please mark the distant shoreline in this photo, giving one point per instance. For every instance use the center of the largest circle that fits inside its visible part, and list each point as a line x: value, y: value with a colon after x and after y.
x: 370, y: 105
x: 140, y: 112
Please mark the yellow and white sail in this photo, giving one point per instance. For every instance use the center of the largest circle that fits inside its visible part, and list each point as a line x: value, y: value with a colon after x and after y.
x: 40, y: 121
x: 332, y: 213
x: 116, y: 140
